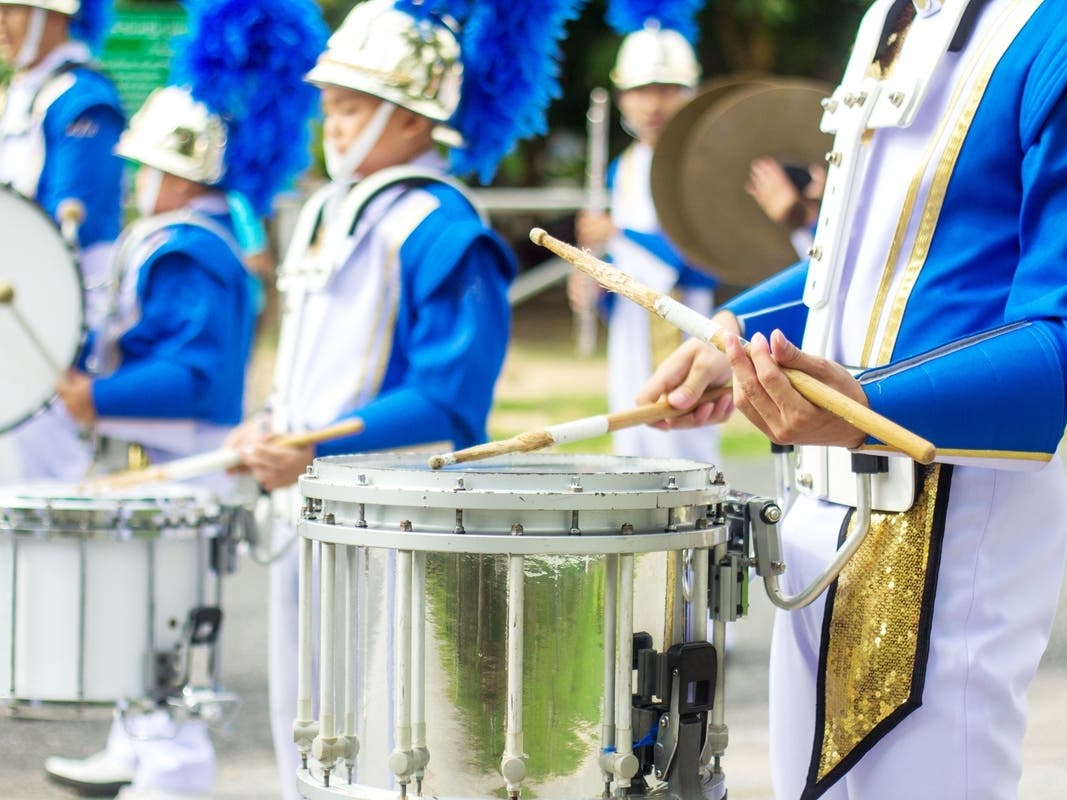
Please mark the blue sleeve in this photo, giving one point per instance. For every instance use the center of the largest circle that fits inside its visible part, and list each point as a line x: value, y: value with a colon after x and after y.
x: 658, y: 245
x: 451, y: 337
x: 777, y: 302
x: 81, y: 130
x: 185, y: 357
x: 1003, y: 390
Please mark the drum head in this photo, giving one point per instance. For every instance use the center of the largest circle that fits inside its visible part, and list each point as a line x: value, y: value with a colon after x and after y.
x: 41, y: 306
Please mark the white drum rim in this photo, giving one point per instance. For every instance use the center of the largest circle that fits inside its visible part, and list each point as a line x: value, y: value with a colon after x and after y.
x: 39, y: 406
x: 383, y: 480
x: 53, y: 509
x: 519, y: 545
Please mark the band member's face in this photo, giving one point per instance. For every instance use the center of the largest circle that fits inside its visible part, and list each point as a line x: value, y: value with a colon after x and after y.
x: 648, y: 109
x: 14, y: 20
x: 347, y: 113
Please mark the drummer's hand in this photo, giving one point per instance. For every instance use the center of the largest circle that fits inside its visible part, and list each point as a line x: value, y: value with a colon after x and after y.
x: 593, y: 229
x: 684, y: 376
x: 274, y: 466
x: 764, y: 394
x: 75, y: 389
x: 243, y: 438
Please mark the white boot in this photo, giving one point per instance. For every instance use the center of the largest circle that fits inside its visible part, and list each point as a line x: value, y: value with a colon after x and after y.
x: 100, y: 775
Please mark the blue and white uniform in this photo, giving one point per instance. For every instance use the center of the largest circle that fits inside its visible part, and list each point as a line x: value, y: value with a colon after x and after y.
x: 403, y: 323
x: 173, y: 353
x: 58, y: 128
x: 172, y: 357
x: 637, y: 340
x: 951, y: 302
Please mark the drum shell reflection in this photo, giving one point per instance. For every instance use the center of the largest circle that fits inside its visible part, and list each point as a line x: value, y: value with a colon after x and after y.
x: 372, y: 509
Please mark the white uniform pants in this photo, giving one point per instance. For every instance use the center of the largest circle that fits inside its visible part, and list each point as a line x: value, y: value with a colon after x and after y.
x: 163, y: 755
x: 282, y: 646
x: 998, y: 586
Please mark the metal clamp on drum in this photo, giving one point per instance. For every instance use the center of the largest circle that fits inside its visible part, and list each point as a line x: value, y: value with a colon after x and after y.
x: 477, y: 623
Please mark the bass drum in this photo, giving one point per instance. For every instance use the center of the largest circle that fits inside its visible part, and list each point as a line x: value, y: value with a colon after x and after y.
x: 42, y: 308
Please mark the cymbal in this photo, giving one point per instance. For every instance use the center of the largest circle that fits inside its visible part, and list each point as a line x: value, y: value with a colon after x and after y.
x: 701, y: 164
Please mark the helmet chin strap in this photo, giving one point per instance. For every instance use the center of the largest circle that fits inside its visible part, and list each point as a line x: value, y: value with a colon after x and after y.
x: 148, y: 187
x: 31, y: 42
x: 342, y: 167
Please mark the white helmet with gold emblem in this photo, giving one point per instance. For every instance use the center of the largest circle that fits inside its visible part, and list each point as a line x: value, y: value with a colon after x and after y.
x: 484, y: 71
x: 384, y: 52
x: 655, y: 55
x: 657, y: 44
x: 174, y: 133
x: 68, y: 7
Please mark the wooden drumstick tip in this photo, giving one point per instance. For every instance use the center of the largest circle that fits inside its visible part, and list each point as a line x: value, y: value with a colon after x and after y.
x: 438, y: 461
x: 537, y: 235
x: 7, y: 293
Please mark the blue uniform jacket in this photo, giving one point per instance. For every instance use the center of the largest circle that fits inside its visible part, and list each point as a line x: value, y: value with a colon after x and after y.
x: 980, y: 361
x: 81, y: 128
x: 451, y: 334
x: 185, y: 358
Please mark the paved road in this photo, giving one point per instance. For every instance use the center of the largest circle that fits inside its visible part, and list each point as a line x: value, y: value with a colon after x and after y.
x: 245, y: 761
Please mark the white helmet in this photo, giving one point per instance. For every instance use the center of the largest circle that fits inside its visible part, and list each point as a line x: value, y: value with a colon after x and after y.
x: 174, y: 133
x: 655, y: 55
x: 381, y: 51
x: 68, y: 7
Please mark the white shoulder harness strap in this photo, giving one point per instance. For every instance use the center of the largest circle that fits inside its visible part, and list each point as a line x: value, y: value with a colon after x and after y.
x: 314, y: 270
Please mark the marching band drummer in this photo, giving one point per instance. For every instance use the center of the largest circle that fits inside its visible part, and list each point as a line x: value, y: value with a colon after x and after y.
x: 909, y: 678
x: 655, y: 74
x: 171, y: 359
x: 395, y: 287
x: 60, y: 119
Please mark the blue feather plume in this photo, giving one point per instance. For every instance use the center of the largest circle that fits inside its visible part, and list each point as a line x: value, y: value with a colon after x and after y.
x: 246, y: 60
x: 92, y: 22
x: 627, y: 16
x: 510, y: 53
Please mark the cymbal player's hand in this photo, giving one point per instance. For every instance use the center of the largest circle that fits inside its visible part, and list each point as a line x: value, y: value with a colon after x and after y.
x: 593, y: 230
x: 769, y: 185
x: 763, y: 393
x: 75, y: 389
x: 684, y: 376
x: 274, y: 466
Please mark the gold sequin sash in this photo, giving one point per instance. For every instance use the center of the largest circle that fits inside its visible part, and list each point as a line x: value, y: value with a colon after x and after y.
x: 876, y: 632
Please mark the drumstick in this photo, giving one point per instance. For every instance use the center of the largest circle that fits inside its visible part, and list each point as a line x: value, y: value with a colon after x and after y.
x: 7, y: 298
x: 217, y: 460
x: 574, y: 431
x: 700, y: 327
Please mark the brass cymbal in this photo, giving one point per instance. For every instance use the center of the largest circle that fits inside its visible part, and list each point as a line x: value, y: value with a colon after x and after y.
x: 701, y: 164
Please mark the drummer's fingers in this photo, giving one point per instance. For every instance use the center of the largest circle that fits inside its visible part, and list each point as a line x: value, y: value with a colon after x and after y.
x: 684, y: 375
x: 712, y: 413
x: 750, y: 396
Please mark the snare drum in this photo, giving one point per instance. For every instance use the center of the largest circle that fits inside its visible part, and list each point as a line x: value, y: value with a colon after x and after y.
x: 477, y: 622
x: 96, y: 590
